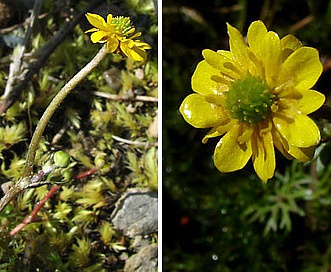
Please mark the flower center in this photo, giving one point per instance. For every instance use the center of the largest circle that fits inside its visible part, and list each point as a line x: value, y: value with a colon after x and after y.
x: 123, y: 25
x: 249, y: 100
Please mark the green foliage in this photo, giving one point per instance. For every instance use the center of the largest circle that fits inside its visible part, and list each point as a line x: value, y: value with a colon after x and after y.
x: 91, y: 195
x: 14, y: 169
x: 80, y: 255
x: 73, y: 229
x: 144, y: 168
x: 141, y: 6
x: 282, y: 200
x: 11, y: 135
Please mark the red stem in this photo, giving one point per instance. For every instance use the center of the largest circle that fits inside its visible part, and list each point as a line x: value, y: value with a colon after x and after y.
x: 31, y: 217
x: 86, y: 173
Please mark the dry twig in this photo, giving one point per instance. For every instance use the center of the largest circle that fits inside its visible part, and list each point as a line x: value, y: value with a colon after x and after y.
x: 41, y: 55
x: 124, y: 97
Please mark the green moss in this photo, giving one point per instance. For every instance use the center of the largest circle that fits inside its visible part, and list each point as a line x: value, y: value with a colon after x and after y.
x: 71, y: 230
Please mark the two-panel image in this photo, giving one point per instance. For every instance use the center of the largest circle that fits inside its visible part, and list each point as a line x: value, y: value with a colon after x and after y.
x: 146, y: 135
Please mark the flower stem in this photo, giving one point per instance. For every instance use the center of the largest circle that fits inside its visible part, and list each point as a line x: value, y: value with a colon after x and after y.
x: 24, y: 181
x: 62, y: 94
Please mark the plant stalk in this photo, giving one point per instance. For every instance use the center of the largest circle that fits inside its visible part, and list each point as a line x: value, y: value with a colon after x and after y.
x: 24, y: 181
x: 55, y: 103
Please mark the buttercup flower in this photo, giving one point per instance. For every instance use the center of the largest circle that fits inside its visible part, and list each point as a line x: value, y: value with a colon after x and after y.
x: 257, y: 96
x: 119, y: 35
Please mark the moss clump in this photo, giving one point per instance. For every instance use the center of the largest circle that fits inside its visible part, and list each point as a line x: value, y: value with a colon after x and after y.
x: 95, y: 130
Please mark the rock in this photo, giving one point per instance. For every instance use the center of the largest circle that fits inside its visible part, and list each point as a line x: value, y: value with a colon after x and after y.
x: 153, y: 128
x: 140, y: 242
x: 144, y: 261
x: 136, y: 213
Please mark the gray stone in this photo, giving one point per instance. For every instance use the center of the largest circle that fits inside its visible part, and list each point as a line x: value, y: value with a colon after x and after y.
x: 144, y: 261
x: 140, y: 242
x: 136, y: 213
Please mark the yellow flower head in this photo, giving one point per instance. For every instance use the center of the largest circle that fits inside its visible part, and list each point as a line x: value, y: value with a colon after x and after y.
x: 257, y: 96
x: 119, y: 35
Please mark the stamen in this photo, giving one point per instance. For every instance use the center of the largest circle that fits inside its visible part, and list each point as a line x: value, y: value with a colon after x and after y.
x: 249, y: 100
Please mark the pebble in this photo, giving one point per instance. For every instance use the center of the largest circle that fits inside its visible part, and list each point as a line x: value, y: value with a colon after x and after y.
x: 136, y: 213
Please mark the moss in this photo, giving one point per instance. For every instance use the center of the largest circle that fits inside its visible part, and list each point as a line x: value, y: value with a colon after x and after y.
x: 73, y: 229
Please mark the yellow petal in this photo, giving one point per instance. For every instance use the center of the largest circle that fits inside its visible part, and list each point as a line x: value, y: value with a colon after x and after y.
x: 112, y: 44
x: 281, y: 144
x: 302, y: 154
x: 131, y: 31
x: 240, y: 50
x: 142, y: 45
x: 202, y: 82
x: 221, y: 63
x: 91, y: 30
x: 246, y: 134
x: 226, y: 125
x: 216, y: 99
x: 302, y: 68
x: 97, y: 21
x: 290, y: 151
x: 289, y: 44
x: 264, y: 156
x: 109, y: 18
x: 225, y: 53
x: 211, y: 134
x: 229, y: 155
x: 133, y: 52
x: 256, y: 32
x: 301, y: 132
x: 271, y: 55
x: 200, y: 113
x: 99, y: 37
x: 310, y: 101
x: 137, y: 34
x: 138, y: 54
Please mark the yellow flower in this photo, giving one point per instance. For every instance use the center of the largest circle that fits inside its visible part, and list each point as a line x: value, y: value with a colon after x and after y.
x: 118, y: 33
x: 257, y: 96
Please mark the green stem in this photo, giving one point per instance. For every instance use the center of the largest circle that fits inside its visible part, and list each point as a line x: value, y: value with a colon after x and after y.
x: 24, y: 181
x: 62, y: 94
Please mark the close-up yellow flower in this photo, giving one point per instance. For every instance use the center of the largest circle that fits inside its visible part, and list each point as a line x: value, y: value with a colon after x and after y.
x: 257, y: 96
x: 119, y: 34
